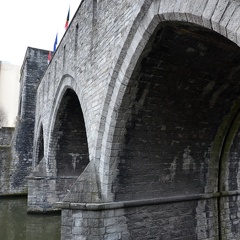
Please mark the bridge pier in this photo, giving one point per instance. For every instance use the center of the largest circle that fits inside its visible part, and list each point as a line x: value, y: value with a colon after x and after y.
x: 43, y: 192
x: 164, y: 218
x: 94, y: 224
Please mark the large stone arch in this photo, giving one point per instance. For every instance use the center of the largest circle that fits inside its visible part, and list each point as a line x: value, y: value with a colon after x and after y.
x: 219, y: 155
x: 179, y: 50
x: 219, y: 17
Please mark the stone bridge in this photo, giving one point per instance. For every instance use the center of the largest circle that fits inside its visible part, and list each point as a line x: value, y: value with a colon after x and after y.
x: 137, y: 122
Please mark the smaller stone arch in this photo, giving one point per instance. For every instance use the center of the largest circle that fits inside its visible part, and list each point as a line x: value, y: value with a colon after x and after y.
x: 68, y: 146
x: 40, y: 146
x: 65, y: 146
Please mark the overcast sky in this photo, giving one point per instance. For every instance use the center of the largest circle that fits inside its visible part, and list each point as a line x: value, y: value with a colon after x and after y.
x: 32, y: 23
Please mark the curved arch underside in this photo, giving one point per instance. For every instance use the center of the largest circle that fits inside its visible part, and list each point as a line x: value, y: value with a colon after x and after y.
x: 70, y: 140
x: 173, y: 112
x: 40, y: 146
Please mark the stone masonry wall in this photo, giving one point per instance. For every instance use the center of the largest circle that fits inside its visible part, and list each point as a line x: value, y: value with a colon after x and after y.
x: 99, y: 59
x: 6, y: 135
x: 175, y: 221
x: 43, y: 192
x: 16, y: 154
x: 83, y: 62
x: 6, y: 160
x: 191, y: 97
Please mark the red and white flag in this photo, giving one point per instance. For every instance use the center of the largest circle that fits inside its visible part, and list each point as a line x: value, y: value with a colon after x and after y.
x: 49, y: 56
x: 67, y: 21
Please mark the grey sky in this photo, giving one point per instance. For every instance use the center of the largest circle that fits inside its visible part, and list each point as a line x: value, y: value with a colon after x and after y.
x: 31, y: 23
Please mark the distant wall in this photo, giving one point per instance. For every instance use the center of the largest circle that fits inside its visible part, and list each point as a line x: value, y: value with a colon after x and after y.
x: 16, y: 147
x: 33, y: 67
x: 6, y: 134
x: 9, y: 91
x: 6, y: 160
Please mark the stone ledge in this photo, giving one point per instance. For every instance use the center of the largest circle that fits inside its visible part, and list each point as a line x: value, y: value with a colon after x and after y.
x: 5, y: 146
x: 137, y: 203
x: 144, y: 202
x: 34, y: 178
x: 230, y: 193
x: 50, y: 178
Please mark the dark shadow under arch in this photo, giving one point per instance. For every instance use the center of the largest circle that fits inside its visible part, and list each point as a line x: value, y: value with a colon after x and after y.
x: 40, y: 146
x: 184, y: 85
x: 69, y: 140
x: 173, y: 123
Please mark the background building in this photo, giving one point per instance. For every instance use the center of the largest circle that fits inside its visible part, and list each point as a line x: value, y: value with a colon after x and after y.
x: 9, y: 92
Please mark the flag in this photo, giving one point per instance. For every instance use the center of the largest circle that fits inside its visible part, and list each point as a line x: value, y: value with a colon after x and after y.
x: 67, y: 21
x: 49, y: 56
x: 55, y: 43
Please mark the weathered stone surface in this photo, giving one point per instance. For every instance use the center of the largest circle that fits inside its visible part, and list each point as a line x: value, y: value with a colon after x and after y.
x: 6, y: 136
x: 6, y: 160
x: 157, y: 101
x: 33, y: 67
x: 137, y: 122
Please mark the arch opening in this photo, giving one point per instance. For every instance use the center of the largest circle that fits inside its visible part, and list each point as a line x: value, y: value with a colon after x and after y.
x: 40, y: 147
x: 168, y: 123
x: 69, y: 139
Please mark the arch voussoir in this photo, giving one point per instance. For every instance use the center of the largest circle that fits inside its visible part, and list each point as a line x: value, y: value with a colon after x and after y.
x: 222, y: 16
x: 233, y: 25
x: 219, y: 14
x: 208, y: 12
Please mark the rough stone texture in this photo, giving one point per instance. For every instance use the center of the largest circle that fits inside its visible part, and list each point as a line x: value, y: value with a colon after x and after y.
x: 162, y: 115
x: 34, y: 65
x: 97, y: 225
x: 71, y: 156
x: 181, y: 220
x: 16, y: 154
x: 86, y: 188
x: 6, y: 163
x: 42, y: 192
x: 6, y: 136
x: 141, y: 100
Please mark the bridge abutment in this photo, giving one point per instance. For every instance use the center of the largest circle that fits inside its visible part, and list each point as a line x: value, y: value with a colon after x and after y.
x: 142, y: 219
x: 43, y: 192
